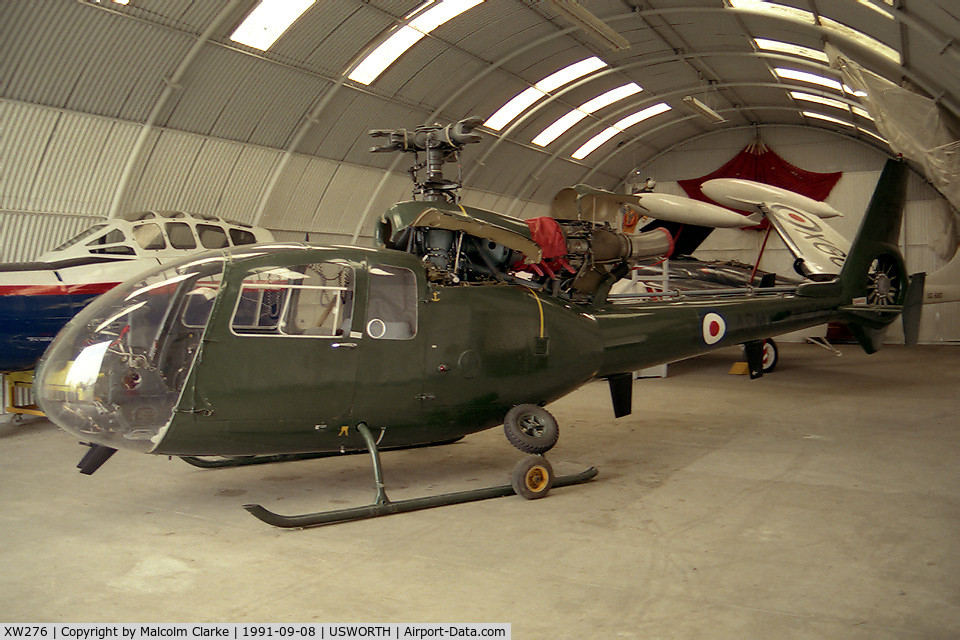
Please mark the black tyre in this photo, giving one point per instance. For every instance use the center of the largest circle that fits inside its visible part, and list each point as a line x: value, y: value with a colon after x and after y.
x: 532, y: 477
x: 531, y: 428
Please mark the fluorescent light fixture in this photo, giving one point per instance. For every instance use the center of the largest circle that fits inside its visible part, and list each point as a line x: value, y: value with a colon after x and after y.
x: 619, y: 127
x: 559, y: 127
x: 377, y: 61
x: 704, y: 110
x: 525, y: 99
x: 790, y: 49
x: 826, y: 118
x: 267, y: 22
x: 591, y: 24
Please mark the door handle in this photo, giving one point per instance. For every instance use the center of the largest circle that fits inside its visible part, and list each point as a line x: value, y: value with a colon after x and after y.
x: 344, y: 345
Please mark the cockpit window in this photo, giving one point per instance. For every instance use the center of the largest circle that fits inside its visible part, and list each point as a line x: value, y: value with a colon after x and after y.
x: 83, y: 235
x: 392, y: 305
x: 212, y: 237
x: 181, y: 235
x: 113, y: 242
x: 149, y: 236
x: 240, y: 236
x: 302, y: 300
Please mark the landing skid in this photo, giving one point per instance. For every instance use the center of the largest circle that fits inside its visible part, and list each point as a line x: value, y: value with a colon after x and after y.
x: 383, y: 506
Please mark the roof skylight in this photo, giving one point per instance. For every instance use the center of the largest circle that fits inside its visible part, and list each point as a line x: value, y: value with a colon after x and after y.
x: 791, y: 49
x: 559, y: 127
x: 830, y: 102
x: 826, y: 118
x: 525, y: 99
x: 619, y: 127
x: 802, y: 16
x: 267, y: 22
x: 879, y: 10
x: 813, y: 78
x: 377, y: 61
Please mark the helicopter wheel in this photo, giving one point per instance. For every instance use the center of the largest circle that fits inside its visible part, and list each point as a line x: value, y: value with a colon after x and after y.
x: 770, y: 355
x: 531, y: 428
x: 532, y: 477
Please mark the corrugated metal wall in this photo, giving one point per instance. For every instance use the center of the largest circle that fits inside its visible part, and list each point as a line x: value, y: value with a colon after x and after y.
x: 60, y: 162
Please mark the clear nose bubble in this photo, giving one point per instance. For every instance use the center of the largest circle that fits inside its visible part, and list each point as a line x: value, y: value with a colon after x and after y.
x: 115, y: 373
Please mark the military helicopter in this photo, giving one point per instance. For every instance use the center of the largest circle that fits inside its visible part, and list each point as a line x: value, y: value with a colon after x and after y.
x: 461, y: 320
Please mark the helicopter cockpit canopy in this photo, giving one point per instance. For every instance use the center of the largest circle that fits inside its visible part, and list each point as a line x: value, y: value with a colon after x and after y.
x: 115, y: 373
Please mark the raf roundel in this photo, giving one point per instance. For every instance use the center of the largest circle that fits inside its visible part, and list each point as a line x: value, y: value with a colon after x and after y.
x: 714, y: 328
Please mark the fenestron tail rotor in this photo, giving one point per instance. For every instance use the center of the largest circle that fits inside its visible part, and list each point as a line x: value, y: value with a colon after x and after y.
x: 884, y: 281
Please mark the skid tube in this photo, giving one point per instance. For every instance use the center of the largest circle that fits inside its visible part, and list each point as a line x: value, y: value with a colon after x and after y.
x: 384, y: 506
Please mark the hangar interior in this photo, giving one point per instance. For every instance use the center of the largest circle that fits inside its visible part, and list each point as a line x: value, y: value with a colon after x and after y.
x: 819, y: 501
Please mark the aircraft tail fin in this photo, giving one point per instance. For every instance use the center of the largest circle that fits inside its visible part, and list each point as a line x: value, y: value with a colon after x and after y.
x: 874, y: 278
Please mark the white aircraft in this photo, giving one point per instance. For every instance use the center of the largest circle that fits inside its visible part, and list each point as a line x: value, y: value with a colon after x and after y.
x: 38, y: 298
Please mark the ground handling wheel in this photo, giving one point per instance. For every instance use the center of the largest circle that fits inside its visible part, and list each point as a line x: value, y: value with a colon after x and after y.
x: 531, y: 428
x: 532, y: 478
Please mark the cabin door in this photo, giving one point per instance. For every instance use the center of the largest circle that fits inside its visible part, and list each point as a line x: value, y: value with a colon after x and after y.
x: 389, y: 393
x: 286, y: 364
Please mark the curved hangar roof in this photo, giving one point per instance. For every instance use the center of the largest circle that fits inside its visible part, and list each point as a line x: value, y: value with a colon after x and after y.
x: 250, y: 109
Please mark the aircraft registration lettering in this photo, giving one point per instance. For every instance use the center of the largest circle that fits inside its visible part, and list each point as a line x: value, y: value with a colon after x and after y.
x: 344, y: 430
x: 813, y: 233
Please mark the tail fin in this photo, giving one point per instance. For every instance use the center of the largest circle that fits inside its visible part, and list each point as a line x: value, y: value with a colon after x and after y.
x: 878, y: 236
x: 874, y: 278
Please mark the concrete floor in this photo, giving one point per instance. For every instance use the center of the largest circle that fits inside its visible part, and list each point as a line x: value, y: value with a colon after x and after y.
x: 820, y: 501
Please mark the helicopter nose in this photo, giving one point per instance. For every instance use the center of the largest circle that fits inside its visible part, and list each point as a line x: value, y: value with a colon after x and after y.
x: 102, y: 394
x: 113, y: 376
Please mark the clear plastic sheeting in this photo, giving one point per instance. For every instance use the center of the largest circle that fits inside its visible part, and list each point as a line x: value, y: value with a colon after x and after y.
x: 911, y: 124
x: 115, y: 373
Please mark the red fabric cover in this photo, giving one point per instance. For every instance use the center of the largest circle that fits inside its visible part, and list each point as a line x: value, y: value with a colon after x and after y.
x: 759, y: 163
x: 546, y: 232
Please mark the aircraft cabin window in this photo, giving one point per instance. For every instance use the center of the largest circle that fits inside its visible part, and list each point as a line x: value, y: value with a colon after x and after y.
x: 241, y: 236
x: 181, y: 236
x: 310, y: 300
x: 212, y: 237
x: 392, y: 304
x: 80, y: 237
x: 149, y: 236
x: 113, y: 242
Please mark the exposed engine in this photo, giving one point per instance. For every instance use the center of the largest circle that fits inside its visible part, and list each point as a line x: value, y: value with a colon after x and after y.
x: 573, y: 252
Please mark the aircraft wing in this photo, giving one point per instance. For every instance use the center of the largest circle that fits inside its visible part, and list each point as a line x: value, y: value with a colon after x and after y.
x: 818, y: 248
